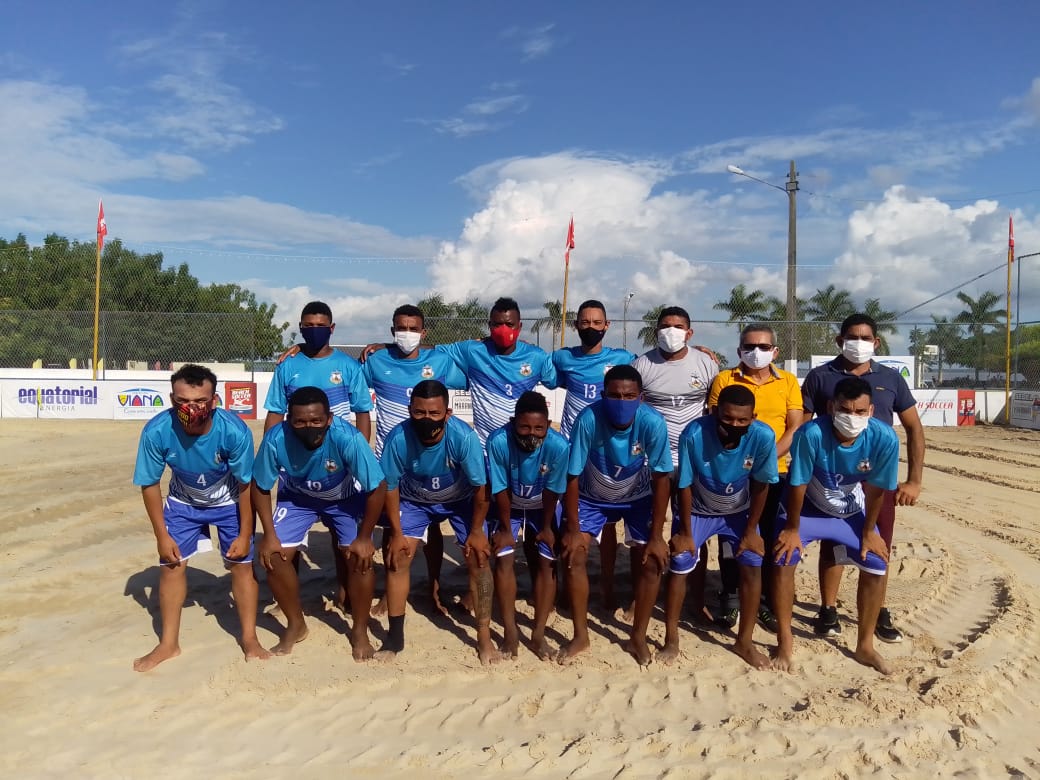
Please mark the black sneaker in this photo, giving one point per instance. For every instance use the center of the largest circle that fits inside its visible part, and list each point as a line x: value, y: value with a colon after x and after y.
x: 884, y: 630
x: 727, y: 618
x: 767, y: 619
x: 826, y: 623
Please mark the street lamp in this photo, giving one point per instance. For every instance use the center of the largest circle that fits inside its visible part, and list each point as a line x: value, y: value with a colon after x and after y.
x: 791, y: 188
x: 624, y: 321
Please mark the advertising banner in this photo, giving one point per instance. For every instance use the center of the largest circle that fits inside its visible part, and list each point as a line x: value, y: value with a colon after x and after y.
x: 54, y: 399
x: 1025, y: 409
x: 965, y: 407
x: 938, y: 407
x: 240, y: 398
x: 135, y: 400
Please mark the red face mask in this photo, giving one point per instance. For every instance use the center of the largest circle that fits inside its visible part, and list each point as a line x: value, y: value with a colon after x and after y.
x: 504, y: 336
x: 192, y: 416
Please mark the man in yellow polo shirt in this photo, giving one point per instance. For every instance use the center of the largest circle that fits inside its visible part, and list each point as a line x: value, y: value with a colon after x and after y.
x: 778, y: 403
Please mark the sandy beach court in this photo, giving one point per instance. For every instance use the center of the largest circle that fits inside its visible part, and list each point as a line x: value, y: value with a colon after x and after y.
x: 78, y: 603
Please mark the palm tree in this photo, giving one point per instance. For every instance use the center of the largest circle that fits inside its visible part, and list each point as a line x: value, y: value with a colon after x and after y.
x: 744, y: 307
x: 552, y: 321
x: 829, y: 305
x: 883, y: 318
x: 947, y: 336
x: 648, y: 333
x: 978, y: 314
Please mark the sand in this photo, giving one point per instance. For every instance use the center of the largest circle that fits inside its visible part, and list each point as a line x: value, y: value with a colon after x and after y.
x: 79, y: 603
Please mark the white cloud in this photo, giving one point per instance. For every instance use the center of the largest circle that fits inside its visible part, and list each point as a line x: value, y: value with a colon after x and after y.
x: 535, y: 42
x: 477, y: 116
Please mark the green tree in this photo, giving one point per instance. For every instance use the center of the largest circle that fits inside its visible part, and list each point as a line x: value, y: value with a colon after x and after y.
x: 552, y: 322
x: 949, y: 338
x: 743, y: 307
x: 648, y: 333
x: 978, y: 314
x: 450, y: 321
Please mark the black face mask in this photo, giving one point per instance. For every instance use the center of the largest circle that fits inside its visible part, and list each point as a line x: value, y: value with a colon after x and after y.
x: 426, y: 428
x: 528, y: 443
x: 311, y: 438
x: 731, y: 434
x: 590, y: 337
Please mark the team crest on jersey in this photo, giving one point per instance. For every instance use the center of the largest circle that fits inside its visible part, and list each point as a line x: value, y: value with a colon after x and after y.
x: 863, y: 466
x: 218, y: 457
x: 427, y: 372
x: 525, y: 369
x: 749, y: 463
x: 543, y: 469
x: 696, y: 382
x: 336, y: 377
x: 637, y: 448
x: 331, y: 466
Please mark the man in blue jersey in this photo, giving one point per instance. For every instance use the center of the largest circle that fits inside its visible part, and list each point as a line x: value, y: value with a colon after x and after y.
x: 325, y: 471
x: 841, y: 466
x: 435, y: 471
x: 727, y: 461
x: 317, y: 364
x: 620, y: 467
x: 580, y: 370
x: 210, y: 454
x: 527, y: 463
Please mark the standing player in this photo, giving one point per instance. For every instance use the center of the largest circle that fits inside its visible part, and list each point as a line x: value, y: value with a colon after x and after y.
x: 435, y: 471
x: 527, y: 463
x: 325, y: 471
x: 858, y: 341
x: 778, y: 404
x: 619, y: 468
x: 841, y: 465
x: 210, y: 454
x: 727, y: 461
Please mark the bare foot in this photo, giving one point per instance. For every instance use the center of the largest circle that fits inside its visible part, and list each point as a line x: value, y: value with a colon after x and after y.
x: 871, y: 658
x: 701, y: 617
x: 384, y: 656
x: 630, y: 613
x: 669, y: 653
x: 289, y: 640
x: 435, y: 594
x: 754, y: 658
x: 510, y: 647
x: 488, y: 654
x: 637, y: 649
x: 253, y: 649
x: 783, y: 660
x: 541, y: 648
x: 380, y: 608
x: 572, y: 650
x: 362, y: 649
x: 157, y: 656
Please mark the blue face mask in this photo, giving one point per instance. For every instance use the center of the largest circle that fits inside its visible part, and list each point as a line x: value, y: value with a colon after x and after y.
x: 620, y: 413
x: 317, y: 337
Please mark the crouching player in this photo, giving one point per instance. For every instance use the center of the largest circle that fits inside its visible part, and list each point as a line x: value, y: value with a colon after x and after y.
x: 527, y: 463
x: 841, y: 466
x: 727, y: 461
x: 210, y: 453
x: 325, y: 471
x: 435, y: 471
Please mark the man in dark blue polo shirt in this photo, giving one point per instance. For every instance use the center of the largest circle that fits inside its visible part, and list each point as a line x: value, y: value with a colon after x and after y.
x: 857, y: 340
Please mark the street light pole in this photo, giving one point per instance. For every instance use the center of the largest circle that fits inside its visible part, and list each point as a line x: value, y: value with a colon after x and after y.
x: 791, y: 188
x: 624, y: 321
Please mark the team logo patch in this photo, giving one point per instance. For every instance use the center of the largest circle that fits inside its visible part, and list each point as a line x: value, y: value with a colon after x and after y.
x: 336, y: 377
x: 543, y: 469
x: 218, y: 457
x: 696, y: 382
x: 331, y: 466
x: 749, y: 463
x: 863, y: 466
x: 427, y: 372
x: 525, y: 369
x: 637, y: 448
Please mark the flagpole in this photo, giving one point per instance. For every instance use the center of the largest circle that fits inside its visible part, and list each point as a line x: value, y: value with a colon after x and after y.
x: 566, y: 276
x: 102, y: 230
x: 1007, y: 319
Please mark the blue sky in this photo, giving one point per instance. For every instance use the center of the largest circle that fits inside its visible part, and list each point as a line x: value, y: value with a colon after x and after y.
x: 269, y: 144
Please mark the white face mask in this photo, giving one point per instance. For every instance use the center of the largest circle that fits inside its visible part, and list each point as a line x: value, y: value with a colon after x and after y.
x: 850, y: 425
x: 671, y: 339
x: 407, y: 340
x: 755, y: 358
x: 856, y: 351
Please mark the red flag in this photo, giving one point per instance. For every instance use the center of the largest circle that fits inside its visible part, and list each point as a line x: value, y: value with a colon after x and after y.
x: 570, y: 242
x: 102, y: 228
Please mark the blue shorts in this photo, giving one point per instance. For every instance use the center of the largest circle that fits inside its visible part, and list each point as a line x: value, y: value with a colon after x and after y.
x: 729, y: 529
x: 189, y: 527
x: 294, y: 515
x: 520, y: 519
x: 416, y: 518
x: 593, y: 516
x: 845, y: 532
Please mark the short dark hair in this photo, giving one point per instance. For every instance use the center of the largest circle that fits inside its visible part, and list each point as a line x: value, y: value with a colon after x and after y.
x: 430, y: 388
x: 591, y: 303
x: 194, y: 375
x: 505, y: 304
x: 852, y: 387
x: 316, y: 307
x: 409, y: 310
x: 858, y: 319
x: 674, y: 311
x: 757, y: 327
x: 624, y: 373
x: 531, y: 401
x: 736, y: 395
x: 305, y: 396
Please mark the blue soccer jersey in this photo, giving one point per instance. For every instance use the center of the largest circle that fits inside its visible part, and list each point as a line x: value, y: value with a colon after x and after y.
x: 834, y: 472
x: 582, y: 375
x: 343, y: 466
x: 615, y: 466
x: 206, y: 469
x: 439, y: 474
x: 721, y: 478
x: 527, y: 474
x: 338, y: 374
x: 392, y: 377
x: 497, y: 380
